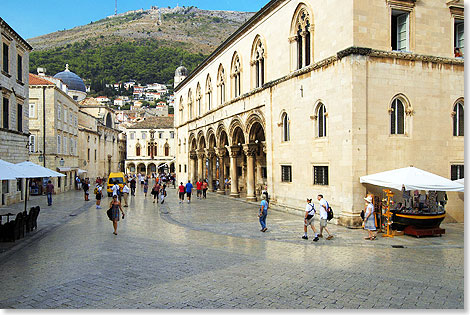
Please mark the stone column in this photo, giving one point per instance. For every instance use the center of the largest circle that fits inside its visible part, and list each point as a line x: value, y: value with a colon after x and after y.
x: 192, y: 166
x: 210, y: 153
x: 200, y: 164
x: 250, y: 152
x: 233, y: 152
x: 221, y: 155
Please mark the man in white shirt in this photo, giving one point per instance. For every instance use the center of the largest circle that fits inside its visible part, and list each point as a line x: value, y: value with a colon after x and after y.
x: 125, y: 192
x: 309, y: 219
x: 115, y: 190
x: 323, y: 216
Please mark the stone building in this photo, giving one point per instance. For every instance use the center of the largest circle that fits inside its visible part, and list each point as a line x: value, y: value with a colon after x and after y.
x: 99, y: 152
x: 151, y: 146
x: 53, y: 124
x: 14, y: 126
x: 341, y: 89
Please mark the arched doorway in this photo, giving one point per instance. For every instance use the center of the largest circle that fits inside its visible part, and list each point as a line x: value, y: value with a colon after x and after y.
x: 109, y: 121
x: 237, y: 163
x: 142, y: 169
x: 131, y: 168
x: 256, y: 159
x: 151, y: 168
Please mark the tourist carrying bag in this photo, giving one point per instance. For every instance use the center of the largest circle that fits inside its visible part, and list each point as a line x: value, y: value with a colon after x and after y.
x: 329, y: 212
x: 110, y: 213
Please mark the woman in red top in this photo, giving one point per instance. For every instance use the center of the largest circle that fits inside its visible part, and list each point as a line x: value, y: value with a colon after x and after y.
x: 204, y: 189
x: 199, y: 189
x: 181, y: 190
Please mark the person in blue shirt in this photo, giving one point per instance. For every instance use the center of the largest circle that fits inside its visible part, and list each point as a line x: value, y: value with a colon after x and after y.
x: 263, y: 212
x: 189, y: 188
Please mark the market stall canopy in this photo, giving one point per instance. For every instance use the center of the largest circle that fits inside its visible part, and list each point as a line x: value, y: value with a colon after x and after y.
x: 9, y: 171
x: 36, y: 171
x: 411, y: 178
x: 460, y: 181
x: 80, y: 171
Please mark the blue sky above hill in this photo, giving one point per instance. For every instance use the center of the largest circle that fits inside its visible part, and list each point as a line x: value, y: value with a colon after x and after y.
x: 31, y: 18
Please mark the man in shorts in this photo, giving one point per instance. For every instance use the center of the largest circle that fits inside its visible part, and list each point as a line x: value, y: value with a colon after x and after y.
x: 199, y: 189
x: 309, y: 220
x: 189, y: 188
x: 323, y: 216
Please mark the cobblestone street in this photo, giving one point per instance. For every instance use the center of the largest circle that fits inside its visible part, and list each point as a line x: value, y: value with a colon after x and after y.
x: 211, y: 254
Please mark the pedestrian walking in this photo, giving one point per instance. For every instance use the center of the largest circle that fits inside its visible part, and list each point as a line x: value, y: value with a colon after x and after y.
x: 155, y: 191
x: 125, y: 193
x: 324, y: 208
x: 181, y: 190
x: 115, y: 207
x: 163, y: 193
x: 49, y: 192
x: 85, y: 187
x: 133, y: 184
x: 204, y: 189
x: 369, y: 219
x: 189, y: 188
x: 309, y: 220
x: 98, y: 194
x: 115, y: 189
x: 263, y: 213
x: 146, y: 186
x: 198, y: 189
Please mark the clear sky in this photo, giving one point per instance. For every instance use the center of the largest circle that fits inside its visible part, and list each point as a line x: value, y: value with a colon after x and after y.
x: 31, y: 18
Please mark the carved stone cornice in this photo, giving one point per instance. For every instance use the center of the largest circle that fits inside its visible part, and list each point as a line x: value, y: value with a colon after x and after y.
x: 456, y: 8
x: 402, y: 4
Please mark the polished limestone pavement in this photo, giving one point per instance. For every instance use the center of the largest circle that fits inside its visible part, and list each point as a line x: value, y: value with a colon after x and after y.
x: 211, y: 254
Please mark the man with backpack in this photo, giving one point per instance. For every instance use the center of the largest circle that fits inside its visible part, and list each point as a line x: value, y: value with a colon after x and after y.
x: 324, y: 209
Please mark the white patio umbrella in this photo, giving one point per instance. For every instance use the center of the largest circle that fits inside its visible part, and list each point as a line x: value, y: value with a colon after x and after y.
x: 460, y: 181
x: 411, y: 178
x: 9, y: 171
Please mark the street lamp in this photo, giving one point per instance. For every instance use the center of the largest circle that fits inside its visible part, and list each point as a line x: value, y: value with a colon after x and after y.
x: 61, y: 162
x: 41, y: 157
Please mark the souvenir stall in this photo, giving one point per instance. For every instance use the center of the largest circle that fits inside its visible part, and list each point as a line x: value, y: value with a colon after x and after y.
x: 415, y: 201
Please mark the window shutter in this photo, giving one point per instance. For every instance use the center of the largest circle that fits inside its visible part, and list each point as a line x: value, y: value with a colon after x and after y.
x: 459, y: 36
x: 402, y: 32
x: 400, y: 117
x: 460, y: 114
x: 32, y: 143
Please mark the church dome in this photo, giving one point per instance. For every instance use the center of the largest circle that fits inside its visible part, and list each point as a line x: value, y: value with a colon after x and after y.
x: 181, y: 71
x: 73, y: 81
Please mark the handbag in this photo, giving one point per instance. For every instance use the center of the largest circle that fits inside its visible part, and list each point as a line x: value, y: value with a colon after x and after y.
x: 110, y: 213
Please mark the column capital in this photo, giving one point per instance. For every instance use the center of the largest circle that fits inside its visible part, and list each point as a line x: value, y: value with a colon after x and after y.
x: 200, y: 154
x: 210, y: 153
x: 233, y: 150
x: 220, y: 152
x: 250, y: 149
x: 192, y: 155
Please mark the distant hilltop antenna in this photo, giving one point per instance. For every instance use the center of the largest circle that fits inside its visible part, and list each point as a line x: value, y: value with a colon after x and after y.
x: 115, y: 7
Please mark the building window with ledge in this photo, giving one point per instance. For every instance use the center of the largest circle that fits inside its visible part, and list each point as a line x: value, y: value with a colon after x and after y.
x: 6, y: 113
x: 258, y: 62
x: 285, y: 127
x: 458, y: 120
x: 221, y: 85
x: 320, y: 175
x: 301, y: 37
x: 19, y: 68
x: 236, y: 75
x: 208, y: 93
x: 32, y: 143
x: 198, y: 100
x: 131, y: 134
x: 321, y: 121
x: 459, y: 40
x: 400, y: 30
x: 19, y: 118
x: 190, y: 104
x: 286, y: 173
x: 137, y: 150
x: 6, y: 59
x: 397, y: 117
x: 457, y: 171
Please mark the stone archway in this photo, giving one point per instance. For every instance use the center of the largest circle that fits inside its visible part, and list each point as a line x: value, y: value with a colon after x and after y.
x: 141, y: 168
x: 130, y: 168
x: 222, y: 158
x: 151, y: 168
x: 255, y: 151
x: 237, y: 160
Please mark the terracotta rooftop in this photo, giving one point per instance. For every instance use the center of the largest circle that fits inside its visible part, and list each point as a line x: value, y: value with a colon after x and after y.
x: 37, y: 80
x: 154, y: 122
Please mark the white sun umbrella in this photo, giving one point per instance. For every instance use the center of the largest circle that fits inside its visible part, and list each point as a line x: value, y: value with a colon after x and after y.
x: 9, y: 171
x: 36, y: 171
x: 411, y: 178
x: 460, y: 181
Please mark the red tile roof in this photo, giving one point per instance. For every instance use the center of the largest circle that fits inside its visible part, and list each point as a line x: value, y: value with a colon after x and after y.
x: 37, y: 80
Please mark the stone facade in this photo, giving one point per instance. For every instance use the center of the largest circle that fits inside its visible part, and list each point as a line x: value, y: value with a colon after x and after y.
x: 14, y: 126
x: 54, y: 113
x: 99, y: 152
x: 332, y: 95
x: 151, y: 146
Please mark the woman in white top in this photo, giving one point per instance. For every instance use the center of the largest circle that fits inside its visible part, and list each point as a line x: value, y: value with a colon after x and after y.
x: 369, y: 219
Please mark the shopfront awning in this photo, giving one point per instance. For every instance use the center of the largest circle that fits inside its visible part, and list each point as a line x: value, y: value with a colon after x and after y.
x: 36, y: 171
x: 411, y: 178
x: 9, y: 171
x: 80, y: 171
x: 64, y: 169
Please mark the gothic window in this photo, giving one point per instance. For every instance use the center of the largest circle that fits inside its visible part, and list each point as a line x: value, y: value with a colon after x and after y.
x: 137, y: 150
x: 321, y: 120
x: 301, y: 36
x: 181, y: 108
x: 221, y: 85
x: 236, y: 77
x: 397, y: 117
x: 285, y: 127
x: 190, y: 104
x: 167, y: 149
x: 458, y: 119
x: 208, y: 93
x: 258, y: 62
x: 198, y: 100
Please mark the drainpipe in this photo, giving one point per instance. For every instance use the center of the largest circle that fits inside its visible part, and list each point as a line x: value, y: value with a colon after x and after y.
x: 44, y: 125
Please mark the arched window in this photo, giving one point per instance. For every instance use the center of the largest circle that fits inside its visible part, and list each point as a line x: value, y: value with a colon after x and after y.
x: 221, y: 85
x: 285, y: 127
x: 301, y: 36
x: 198, y: 100
x: 236, y: 75
x: 397, y: 117
x: 458, y: 119
x: 137, y: 149
x: 109, y: 121
x: 181, y: 108
x: 258, y: 62
x: 167, y: 149
x: 190, y: 104
x: 208, y: 93
x: 321, y: 120
x: 155, y: 147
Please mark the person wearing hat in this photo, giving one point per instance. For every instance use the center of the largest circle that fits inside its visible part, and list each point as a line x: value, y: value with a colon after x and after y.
x: 369, y: 219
